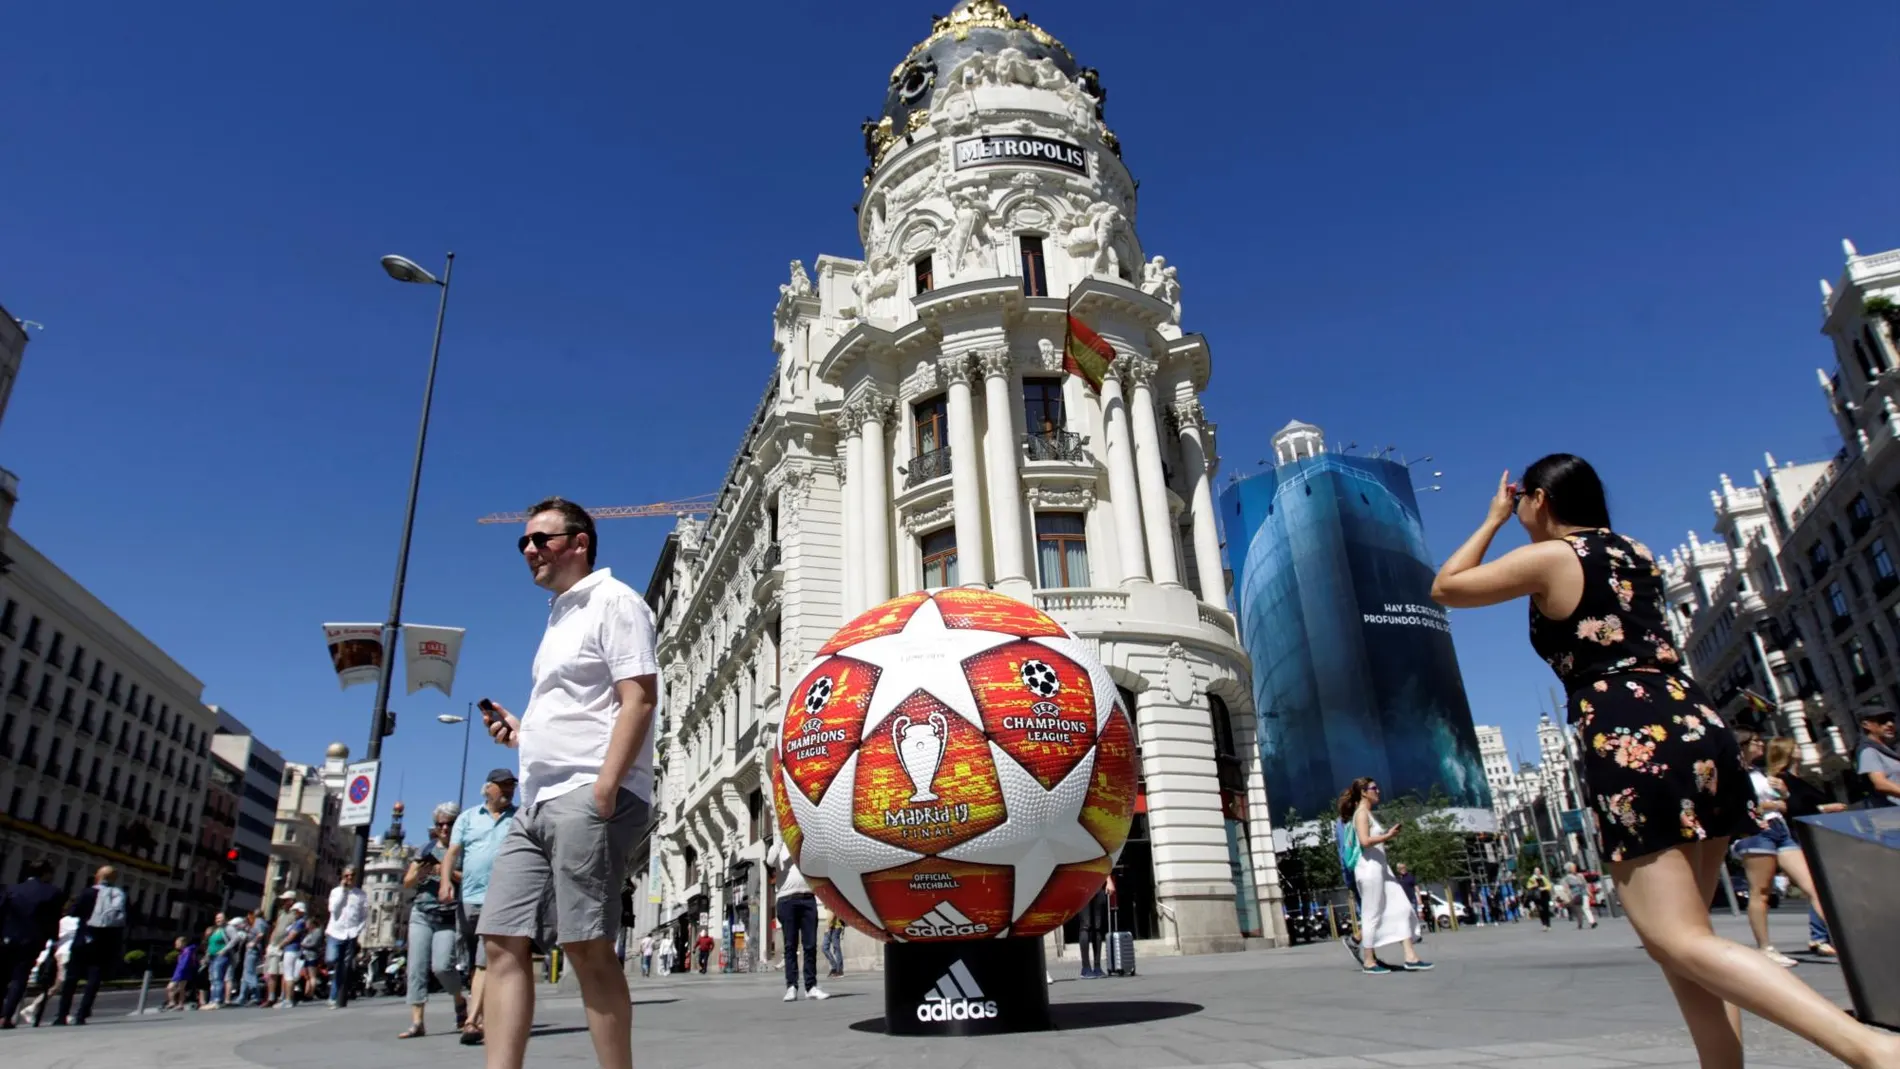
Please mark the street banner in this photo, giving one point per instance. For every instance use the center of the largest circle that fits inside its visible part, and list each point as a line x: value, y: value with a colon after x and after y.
x: 429, y: 655
x: 356, y: 650
x: 359, y: 795
x: 653, y: 879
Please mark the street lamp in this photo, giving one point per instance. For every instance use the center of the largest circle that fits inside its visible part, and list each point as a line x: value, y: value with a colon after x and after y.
x: 403, y: 270
x: 461, y: 781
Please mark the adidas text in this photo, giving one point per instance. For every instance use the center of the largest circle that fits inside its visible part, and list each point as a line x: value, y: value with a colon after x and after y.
x: 955, y: 1010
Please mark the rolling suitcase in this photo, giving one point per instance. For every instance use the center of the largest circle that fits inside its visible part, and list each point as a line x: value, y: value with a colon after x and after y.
x: 1121, y: 947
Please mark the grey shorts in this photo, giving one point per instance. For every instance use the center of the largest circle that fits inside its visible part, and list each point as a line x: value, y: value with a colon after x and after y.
x: 562, y: 862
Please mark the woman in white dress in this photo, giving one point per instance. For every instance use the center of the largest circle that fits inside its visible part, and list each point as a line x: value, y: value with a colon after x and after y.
x: 1386, y: 916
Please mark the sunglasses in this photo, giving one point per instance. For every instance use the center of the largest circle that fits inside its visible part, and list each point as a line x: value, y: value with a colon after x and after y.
x: 540, y: 539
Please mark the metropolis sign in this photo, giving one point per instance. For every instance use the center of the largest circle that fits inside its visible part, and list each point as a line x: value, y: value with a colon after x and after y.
x: 1019, y: 148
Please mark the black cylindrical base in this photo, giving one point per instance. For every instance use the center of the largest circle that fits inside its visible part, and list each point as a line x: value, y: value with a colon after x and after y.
x: 973, y: 988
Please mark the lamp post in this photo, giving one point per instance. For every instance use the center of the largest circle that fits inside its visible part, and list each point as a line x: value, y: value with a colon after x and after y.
x: 461, y: 781
x: 403, y: 270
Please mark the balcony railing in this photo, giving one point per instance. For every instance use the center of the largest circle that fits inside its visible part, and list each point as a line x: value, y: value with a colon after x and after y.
x: 927, y: 466
x: 1082, y: 600
x: 1056, y: 445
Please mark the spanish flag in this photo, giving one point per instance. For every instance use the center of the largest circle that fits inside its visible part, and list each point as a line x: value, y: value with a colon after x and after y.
x: 1085, y: 354
x: 1757, y: 703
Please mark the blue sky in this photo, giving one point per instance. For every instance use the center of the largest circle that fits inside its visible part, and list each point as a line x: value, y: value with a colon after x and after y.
x: 1484, y: 232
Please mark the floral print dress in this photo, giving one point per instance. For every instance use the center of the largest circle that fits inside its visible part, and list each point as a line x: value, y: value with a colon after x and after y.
x: 1660, y: 768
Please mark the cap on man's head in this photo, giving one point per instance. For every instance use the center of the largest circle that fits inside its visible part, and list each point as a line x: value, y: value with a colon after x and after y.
x: 1874, y: 712
x: 299, y: 908
x: 286, y: 894
x: 501, y: 775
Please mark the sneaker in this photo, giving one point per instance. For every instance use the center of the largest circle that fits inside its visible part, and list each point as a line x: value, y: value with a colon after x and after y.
x: 1374, y: 969
x: 1779, y: 958
x: 816, y: 992
x: 1416, y: 966
x: 791, y: 995
x: 1825, y: 950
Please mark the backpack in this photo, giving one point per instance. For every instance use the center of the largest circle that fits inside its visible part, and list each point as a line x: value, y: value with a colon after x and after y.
x: 1347, y: 836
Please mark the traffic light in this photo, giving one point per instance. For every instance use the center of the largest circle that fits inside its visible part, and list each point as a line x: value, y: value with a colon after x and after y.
x: 389, y: 722
x: 231, y: 856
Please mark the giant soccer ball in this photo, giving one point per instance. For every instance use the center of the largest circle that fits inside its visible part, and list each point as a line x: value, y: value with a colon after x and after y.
x: 955, y: 765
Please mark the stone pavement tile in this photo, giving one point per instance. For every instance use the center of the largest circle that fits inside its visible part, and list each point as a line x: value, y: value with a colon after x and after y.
x: 1531, y: 1050
x: 1669, y: 1055
x: 1455, y: 1056
x: 1320, y: 1063
x: 1568, y: 1061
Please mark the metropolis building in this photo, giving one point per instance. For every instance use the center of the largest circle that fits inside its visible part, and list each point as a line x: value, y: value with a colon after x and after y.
x: 917, y: 431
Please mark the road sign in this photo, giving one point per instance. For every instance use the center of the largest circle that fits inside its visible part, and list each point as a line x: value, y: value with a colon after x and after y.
x: 1573, y: 821
x: 359, y: 795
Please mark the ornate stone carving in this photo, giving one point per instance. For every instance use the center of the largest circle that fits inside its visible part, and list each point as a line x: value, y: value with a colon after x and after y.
x: 925, y: 380
x: 970, y: 232
x: 957, y: 367
x: 921, y: 520
x: 1187, y: 414
x: 1080, y: 498
x: 1088, y: 231
x: 1135, y: 371
x: 995, y: 363
x: 1049, y: 356
x: 800, y: 283
x: 1158, y: 280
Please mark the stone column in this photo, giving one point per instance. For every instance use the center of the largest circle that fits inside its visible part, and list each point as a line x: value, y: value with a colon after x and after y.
x: 1154, y: 488
x: 875, y: 501
x: 966, y: 472
x: 1005, y: 479
x: 1191, y: 420
x: 1121, y: 477
x: 850, y: 532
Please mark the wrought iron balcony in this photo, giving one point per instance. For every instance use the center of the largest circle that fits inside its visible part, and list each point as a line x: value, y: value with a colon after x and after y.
x: 927, y: 466
x: 1056, y: 445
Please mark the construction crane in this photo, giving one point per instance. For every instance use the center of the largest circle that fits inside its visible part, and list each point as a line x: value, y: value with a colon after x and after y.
x: 691, y: 506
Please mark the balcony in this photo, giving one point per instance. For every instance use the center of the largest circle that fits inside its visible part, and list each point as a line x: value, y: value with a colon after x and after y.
x: 927, y: 466
x: 1056, y: 445
x: 1217, y: 618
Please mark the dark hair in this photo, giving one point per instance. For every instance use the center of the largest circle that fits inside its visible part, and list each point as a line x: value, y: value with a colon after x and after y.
x: 1571, y: 489
x: 1349, y: 801
x: 578, y: 521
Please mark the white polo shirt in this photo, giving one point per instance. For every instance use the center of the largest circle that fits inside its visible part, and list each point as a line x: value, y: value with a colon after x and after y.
x: 599, y: 632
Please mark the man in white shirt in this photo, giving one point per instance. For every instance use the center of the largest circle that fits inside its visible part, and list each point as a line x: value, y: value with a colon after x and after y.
x: 349, y: 912
x: 586, y: 747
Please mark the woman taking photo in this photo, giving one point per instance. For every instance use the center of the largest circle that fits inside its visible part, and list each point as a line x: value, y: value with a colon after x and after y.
x: 433, y: 934
x: 1664, y: 776
x: 1772, y: 849
x: 1385, y: 914
x: 1804, y: 799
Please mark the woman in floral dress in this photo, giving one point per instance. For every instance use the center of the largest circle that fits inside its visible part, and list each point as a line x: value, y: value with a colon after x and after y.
x: 1661, y: 770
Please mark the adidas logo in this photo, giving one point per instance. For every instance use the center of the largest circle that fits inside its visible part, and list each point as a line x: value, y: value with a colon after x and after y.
x: 944, y: 922
x: 956, y: 998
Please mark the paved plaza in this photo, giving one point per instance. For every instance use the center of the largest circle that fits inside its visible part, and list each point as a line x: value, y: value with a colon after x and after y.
x: 1510, y: 997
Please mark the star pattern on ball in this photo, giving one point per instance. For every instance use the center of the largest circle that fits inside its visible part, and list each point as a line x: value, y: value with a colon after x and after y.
x: 929, y: 657
x: 831, y: 847
x: 1035, y: 847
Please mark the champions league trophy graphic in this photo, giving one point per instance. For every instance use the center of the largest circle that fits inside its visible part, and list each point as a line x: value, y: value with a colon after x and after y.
x: 920, y: 750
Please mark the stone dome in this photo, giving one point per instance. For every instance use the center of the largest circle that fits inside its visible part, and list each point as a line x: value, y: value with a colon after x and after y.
x: 973, y: 27
x: 337, y: 749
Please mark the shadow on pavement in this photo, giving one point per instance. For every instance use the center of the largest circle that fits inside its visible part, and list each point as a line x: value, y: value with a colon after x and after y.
x: 1069, y: 1016
x: 653, y: 1001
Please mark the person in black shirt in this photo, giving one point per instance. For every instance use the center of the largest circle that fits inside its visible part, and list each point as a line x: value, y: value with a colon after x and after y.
x: 29, y: 916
